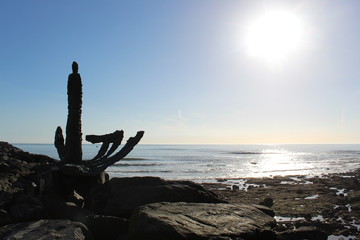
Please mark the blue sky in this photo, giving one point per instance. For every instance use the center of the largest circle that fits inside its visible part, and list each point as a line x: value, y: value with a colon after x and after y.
x: 180, y: 71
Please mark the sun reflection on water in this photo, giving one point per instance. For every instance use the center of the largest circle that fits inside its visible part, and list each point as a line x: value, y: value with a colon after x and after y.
x: 279, y: 162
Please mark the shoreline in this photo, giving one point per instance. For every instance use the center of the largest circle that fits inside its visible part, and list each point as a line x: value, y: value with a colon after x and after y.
x: 330, y: 202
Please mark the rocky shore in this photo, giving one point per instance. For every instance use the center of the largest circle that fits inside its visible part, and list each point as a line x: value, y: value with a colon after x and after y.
x: 39, y: 201
x: 330, y: 202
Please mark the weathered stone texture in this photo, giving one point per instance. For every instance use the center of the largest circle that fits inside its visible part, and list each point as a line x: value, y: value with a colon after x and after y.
x: 200, y: 221
x: 45, y: 230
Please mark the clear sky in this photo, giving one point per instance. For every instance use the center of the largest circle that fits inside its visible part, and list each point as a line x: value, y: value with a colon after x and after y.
x: 183, y: 70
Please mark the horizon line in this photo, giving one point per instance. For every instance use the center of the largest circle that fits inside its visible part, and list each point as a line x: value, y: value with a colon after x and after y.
x: 300, y: 143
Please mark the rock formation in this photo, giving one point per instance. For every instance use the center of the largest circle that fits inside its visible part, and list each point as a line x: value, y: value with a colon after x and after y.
x: 73, y: 151
x: 70, y: 151
x: 200, y: 221
x: 120, y: 196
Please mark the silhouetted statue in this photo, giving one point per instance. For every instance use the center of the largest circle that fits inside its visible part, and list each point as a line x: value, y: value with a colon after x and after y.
x: 73, y: 151
x: 70, y: 152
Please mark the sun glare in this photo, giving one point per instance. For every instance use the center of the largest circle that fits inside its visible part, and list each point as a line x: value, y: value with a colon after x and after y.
x: 274, y: 36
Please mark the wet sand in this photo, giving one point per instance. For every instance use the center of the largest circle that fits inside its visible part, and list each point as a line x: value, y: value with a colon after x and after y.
x: 330, y: 202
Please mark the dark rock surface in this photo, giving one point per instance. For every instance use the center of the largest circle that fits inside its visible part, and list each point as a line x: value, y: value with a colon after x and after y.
x: 120, y: 196
x: 59, y: 208
x: 309, y: 233
x: 107, y: 227
x: 45, y: 230
x: 200, y: 221
x: 23, y: 178
x: 333, y: 206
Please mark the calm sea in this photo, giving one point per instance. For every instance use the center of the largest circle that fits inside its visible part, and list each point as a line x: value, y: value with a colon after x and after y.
x: 209, y: 162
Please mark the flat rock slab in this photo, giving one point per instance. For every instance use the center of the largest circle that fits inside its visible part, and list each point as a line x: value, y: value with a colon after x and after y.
x: 199, y: 221
x: 44, y: 230
x: 120, y: 196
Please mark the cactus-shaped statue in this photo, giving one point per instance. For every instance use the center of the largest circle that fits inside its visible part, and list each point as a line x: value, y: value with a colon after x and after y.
x: 70, y: 152
x: 73, y: 151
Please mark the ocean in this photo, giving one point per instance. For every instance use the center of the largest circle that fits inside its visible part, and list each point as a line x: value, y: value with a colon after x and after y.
x: 206, y: 163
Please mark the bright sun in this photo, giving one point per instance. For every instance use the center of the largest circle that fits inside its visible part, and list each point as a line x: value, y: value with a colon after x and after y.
x: 274, y: 36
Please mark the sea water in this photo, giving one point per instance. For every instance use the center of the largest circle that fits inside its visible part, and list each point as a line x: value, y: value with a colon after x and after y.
x: 210, y: 162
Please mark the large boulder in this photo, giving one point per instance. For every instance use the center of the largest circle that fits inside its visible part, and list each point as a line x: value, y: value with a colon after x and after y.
x: 45, y: 230
x: 200, y: 221
x: 120, y: 196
